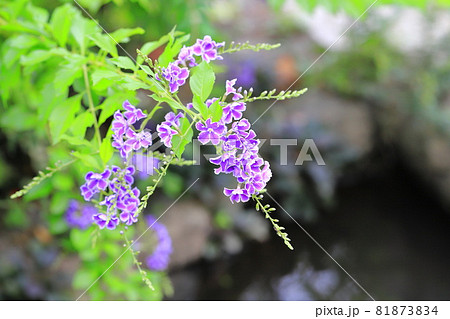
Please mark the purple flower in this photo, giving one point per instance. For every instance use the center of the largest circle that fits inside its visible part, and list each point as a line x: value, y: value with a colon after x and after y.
x: 128, y: 174
x: 231, y: 142
x: 119, y: 125
x: 128, y: 201
x: 165, y: 133
x: 120, y: 198
x: 175, y: 75
x: 266, y: 172
x: 237, y: 195
x: 79, y: 216
x: 255, y: 184
x: 167, y: 129
x: 210, y: 131
x: 172, y: 119
x: 128, y: 218
x: 159, y: 259
x: 109, y: 201
x: 96, y: 180
x: 87, y: 193
x: 132, y: 113
x: 233, y: 111
x: 102, y: 220
x: 125, y: 139
x: 207, y: 49
x: 231, y: 90
x: 186, y: 55
x: 239, y: 152
x: 224, y: 161
x: 139, y: 140
x: 120, y: 144
x: 241, y: 126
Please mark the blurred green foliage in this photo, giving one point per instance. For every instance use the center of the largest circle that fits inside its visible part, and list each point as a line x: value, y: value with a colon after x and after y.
x: 357, y: 7
x: 74, y: 81
x: 416, y: 82
x: 156, y: 17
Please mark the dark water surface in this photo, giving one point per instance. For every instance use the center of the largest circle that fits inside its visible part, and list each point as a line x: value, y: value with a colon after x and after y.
x: 386, y: 231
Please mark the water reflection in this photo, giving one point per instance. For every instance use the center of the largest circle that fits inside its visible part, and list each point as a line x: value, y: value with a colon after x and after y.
x: 386, y: 231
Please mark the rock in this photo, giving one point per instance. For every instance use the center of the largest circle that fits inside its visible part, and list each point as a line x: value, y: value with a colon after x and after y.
x: 348, y: 120
x: 189, y: 225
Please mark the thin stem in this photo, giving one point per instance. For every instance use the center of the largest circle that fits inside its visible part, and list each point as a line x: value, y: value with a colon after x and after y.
x: 151, y: 189
x: 91, y: 105
x: 163, y: 93
x: 38, y: 179
x: 278, y: 229
x: 137, y: 262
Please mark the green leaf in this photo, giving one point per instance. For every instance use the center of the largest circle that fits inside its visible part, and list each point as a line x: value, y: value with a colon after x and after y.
x: 35, y: 57
x: 132, y: 84
x: 123, y: 62
x: 149, y: 47
x: 92, y: 5
x: 113, y: 103
x: 23, y: 41
x: 147, y: 70
x: 49, y: 98
x: 60, y: 23
x: 67, y: 74
x: 89, y: 160
x: 106, y: 149
x: 63, y: 116
x: 215, y: 111
x: 81, y: 29
x: 172, y: 49
x: 101, y: 74
x: 104, y: 42
x: 123, y: 35
x: 180, y: 141
x: 74, y: 140
x: 172, y: 103
x: 200, y: 106
x: 81, y: 123
x: 38, y: 15
x: 202, y: 80
x: 152, y: 46
x: 39, y: 191
x: 38, y: 56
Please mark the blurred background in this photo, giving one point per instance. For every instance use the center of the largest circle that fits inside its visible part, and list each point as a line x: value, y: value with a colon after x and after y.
x: 378, y: 109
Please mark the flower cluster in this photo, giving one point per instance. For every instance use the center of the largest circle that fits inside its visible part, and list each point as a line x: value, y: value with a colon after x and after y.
x: 78, y: 215
x: 115, y: 186
x: 177, y: 72
x: 125, y: 137
x: 238, y: 148
x: 175, y: 75
x: 207, y: 49
x: 159, y: 259
x: 167, y: 129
